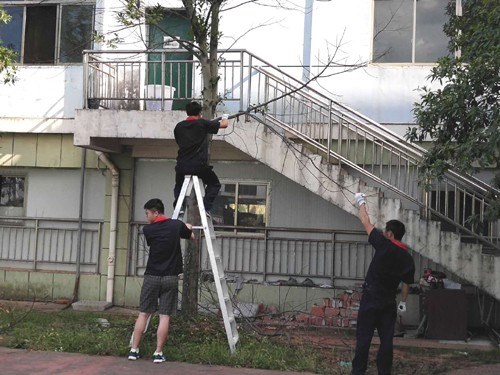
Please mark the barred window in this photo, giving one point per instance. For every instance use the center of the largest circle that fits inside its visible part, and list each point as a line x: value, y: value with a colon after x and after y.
x: 242, y: 204
x: 12, y: 192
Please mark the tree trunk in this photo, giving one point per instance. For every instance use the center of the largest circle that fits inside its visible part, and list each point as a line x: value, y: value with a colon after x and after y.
x: 189, y: 305
x: 206, y: 35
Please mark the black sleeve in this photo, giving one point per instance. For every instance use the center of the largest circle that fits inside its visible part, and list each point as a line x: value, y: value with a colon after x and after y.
x: 146, y: 234
x: 185, y: 231
x: 212, y: 126
x: 409, y: 276
x: 378, y: 241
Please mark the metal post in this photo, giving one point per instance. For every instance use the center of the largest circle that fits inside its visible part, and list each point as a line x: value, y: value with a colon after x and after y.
x: 306, y: 50
x: 36, y: 244
x: 241, y: 81
x: 264, y: 272
x: 249, y: 80
x: 162, y: 80
x: 329, y: 141
x: 333, y: 258
x: 85, y: 79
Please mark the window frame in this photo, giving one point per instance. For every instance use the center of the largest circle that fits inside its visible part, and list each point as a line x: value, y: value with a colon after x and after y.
x: 22, y: 210
x: 413, y: 44
x: 57, y: 46
x: 239, y: 182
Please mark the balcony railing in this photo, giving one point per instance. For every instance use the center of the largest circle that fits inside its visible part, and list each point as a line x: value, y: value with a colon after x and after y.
x: 327, y: 257
x: 154, y: 80
x: 49, y: 244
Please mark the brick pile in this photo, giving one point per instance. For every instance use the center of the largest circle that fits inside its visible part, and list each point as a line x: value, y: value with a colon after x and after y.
x: 340, y: 311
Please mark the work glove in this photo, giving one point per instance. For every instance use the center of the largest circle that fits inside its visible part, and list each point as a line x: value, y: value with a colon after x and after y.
x: 360, y: 198
x: 225, y: 116
x: 401, y: 307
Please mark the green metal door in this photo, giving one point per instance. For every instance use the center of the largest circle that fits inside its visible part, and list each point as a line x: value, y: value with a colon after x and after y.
x: 178, y: 68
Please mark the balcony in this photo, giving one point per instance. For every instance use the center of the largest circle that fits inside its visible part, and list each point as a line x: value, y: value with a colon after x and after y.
x: 135, y: 98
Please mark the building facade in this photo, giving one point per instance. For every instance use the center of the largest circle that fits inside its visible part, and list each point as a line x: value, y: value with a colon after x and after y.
x: 285, y: 213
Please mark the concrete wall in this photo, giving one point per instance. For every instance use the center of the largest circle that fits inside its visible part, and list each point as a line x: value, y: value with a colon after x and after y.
x: 53, y: 192
x: 51, y: 165
x: 51, y: 91
x: 53, y: 286
x: 291, y: 205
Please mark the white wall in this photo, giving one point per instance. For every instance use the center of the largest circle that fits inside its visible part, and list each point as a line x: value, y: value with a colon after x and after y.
x: 43, y: 92
x: 384, y: 92
x: 340, y: 28
x: 54, y: 193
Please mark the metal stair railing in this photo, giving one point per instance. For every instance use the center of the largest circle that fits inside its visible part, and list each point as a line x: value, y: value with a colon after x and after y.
x: 331, y: 129
x: 346, y: 137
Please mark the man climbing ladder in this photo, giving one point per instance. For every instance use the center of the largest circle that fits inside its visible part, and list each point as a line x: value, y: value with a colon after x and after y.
x: 191, y: 136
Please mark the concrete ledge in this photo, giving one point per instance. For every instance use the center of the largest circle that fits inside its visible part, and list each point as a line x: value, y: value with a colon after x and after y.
x: 91, y: 305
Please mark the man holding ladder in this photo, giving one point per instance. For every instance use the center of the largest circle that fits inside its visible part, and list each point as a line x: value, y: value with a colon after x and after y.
x: 160, y: 287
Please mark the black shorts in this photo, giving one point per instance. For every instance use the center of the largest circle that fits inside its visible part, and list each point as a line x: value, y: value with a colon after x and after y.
x: 159, y: 293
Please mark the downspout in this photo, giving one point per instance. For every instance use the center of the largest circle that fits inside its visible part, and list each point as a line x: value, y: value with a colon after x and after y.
x: 80, y: 225
x: 113, y: 221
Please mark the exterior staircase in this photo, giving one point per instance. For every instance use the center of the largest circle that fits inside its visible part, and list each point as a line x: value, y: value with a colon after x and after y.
x: 334, y: 152
x: 328, y: 148
x: 336, y: 185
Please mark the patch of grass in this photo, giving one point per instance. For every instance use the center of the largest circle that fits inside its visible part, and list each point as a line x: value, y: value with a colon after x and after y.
x: 198, y: 340
x: 65, y: 331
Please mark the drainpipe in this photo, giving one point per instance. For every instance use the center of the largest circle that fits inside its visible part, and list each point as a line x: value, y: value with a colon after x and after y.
x: 115, y: 181
x: 80, y: 225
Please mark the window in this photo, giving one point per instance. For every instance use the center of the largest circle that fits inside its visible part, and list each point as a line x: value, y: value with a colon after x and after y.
x: 48, y: 33
x: 409, y: 31
x: 12, y: 190
x: 241, y: 204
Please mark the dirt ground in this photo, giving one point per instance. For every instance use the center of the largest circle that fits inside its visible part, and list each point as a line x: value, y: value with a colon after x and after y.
x: 411, y: 356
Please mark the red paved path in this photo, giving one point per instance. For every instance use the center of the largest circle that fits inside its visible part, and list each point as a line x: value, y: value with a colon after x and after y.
x: 23, y: 362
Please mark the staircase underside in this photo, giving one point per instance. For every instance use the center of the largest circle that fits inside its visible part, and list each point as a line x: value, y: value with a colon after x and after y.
x: 337, y: 186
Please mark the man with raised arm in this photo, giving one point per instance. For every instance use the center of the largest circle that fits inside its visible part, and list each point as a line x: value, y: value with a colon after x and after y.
x: 391, y: 265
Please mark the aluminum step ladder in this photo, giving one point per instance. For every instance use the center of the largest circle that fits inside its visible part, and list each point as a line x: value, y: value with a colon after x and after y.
x: 214, y: 254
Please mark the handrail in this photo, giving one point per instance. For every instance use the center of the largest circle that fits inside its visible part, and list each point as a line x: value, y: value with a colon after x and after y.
x: 389, y: 145
x: 398, y: 140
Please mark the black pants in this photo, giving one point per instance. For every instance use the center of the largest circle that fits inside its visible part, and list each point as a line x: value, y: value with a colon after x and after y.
x: 373, y: 314
x: 207, y: 175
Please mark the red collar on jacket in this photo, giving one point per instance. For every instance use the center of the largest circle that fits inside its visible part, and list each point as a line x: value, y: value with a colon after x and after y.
x: 400, y: 244
x: 192, y: 118
x: 160, y: 218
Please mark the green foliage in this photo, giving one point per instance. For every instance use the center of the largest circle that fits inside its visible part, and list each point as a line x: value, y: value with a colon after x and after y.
x: 462, y: 118
x: 111, y: 42
x: 7, y: 57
